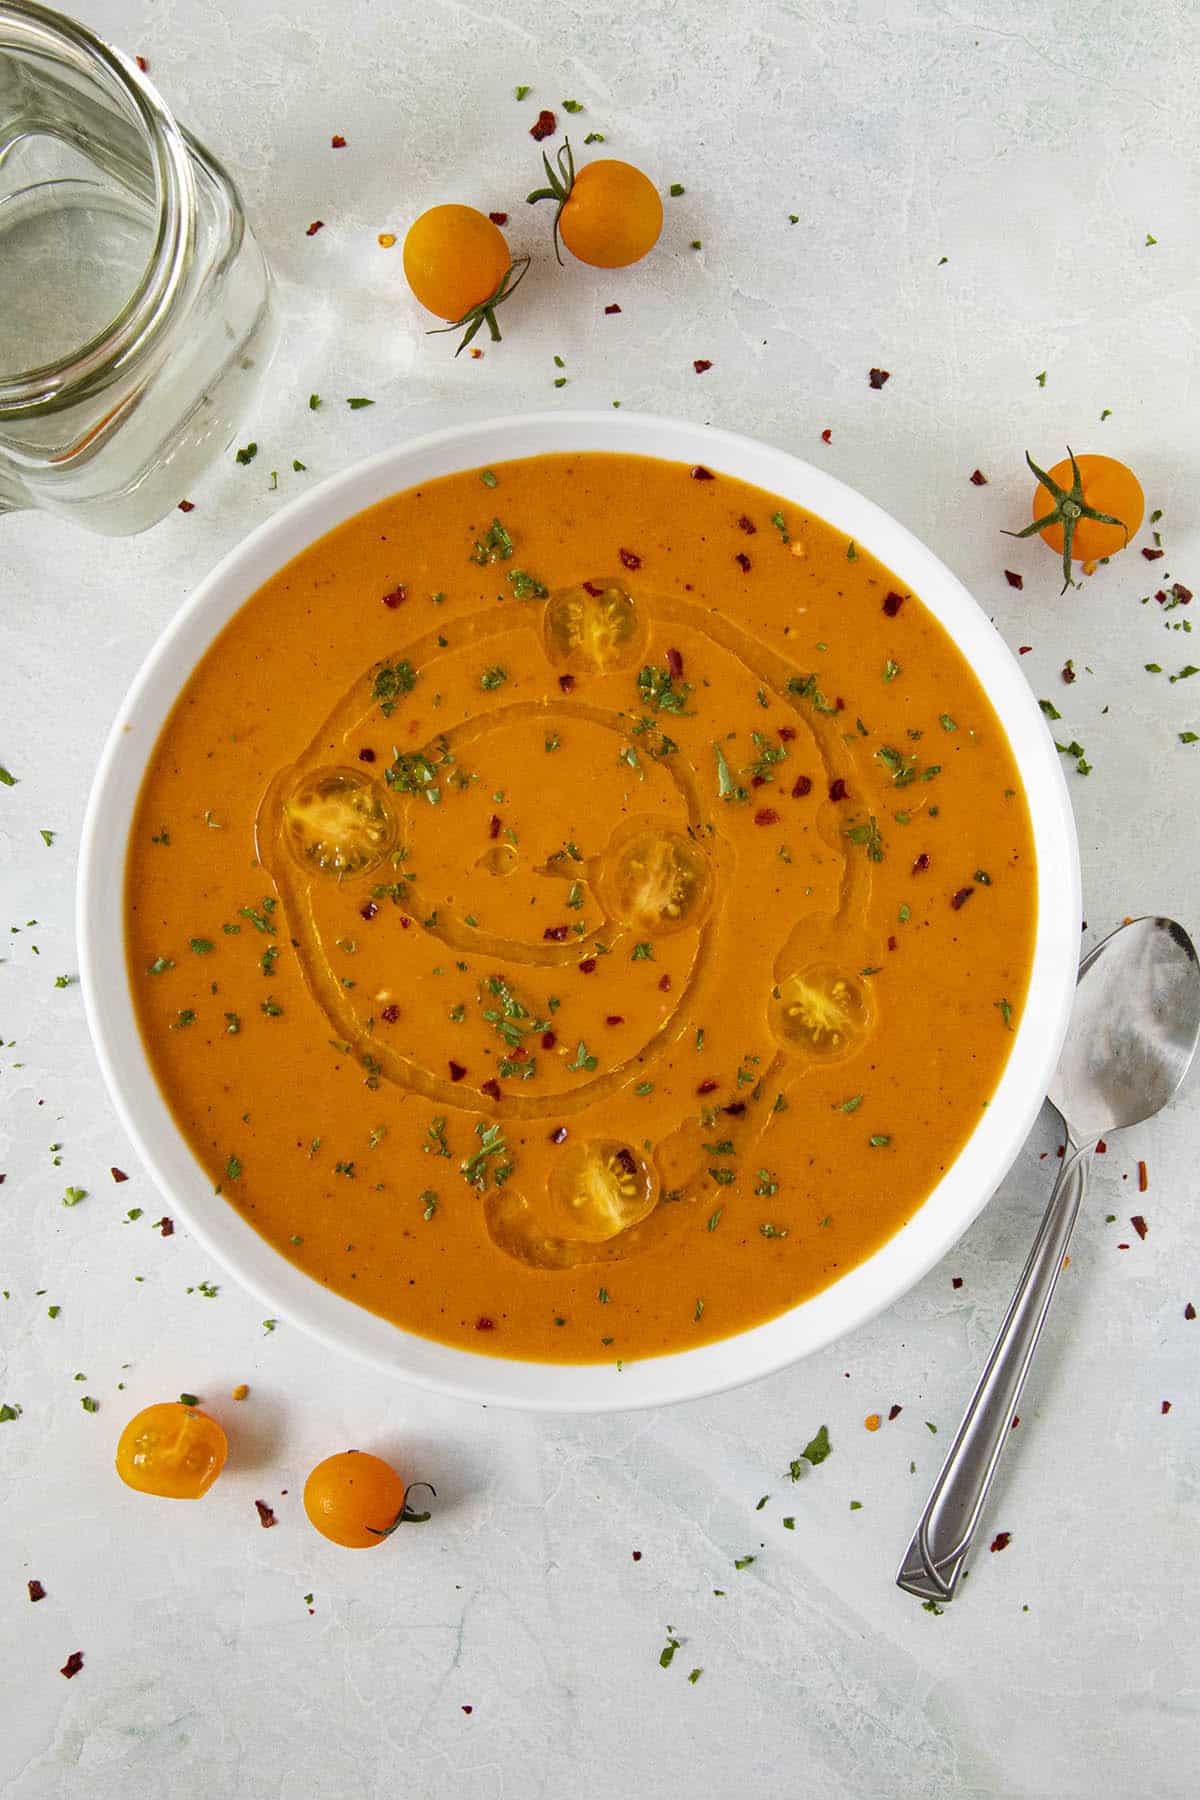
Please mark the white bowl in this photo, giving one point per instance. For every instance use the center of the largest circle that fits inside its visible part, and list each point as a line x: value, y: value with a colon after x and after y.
x: 282, y: 1288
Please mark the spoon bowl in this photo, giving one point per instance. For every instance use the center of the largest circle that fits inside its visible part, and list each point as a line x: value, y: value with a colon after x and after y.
x: 1133, y: 1032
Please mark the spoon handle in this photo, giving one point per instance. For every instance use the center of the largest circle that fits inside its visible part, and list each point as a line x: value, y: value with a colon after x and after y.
x: 933, y: 1561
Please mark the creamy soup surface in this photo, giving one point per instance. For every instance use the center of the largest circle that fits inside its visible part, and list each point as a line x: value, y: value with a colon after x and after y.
x: 578, y: 910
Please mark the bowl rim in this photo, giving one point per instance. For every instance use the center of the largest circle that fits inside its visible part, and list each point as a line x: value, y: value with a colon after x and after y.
x: 858, y: 1295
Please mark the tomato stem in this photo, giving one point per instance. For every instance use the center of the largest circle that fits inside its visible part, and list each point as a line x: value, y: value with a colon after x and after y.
x: 484, y: 312
x: 558, y: 188
x: 1069, y: 507
x: 405, y: 1516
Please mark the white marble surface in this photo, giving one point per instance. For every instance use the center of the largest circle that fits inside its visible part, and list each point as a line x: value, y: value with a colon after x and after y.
x: 1034, y: 145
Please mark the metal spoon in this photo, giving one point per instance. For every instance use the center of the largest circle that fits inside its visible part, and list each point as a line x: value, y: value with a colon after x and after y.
x: 1133, y: 1033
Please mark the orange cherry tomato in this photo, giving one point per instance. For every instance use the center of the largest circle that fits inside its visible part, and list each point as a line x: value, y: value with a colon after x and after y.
x: 1085, y: 507
x: 459, y: 267
x: 356, y: 1500
x: 171, y: 1450
x: 609, y: 213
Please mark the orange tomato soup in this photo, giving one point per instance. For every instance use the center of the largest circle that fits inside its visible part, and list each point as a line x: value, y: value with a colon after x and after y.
x: 579, y: 910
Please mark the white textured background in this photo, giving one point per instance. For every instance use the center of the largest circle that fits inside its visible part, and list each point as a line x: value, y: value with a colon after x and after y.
x: 1035, y: 144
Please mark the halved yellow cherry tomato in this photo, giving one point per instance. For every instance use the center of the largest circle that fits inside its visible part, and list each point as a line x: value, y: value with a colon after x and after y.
x: 171, y: 1450
x: 356, y: 1499
x: 1085, y: 507
x: 609, y: 214
x: 459, y: 267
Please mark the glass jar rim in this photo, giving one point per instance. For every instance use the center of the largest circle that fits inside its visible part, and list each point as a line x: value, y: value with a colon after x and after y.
x: 72, y: 377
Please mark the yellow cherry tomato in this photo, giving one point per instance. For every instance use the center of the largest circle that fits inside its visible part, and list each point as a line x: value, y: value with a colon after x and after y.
x: 458, y: 265
x: 609, y: 213
x: 356, y: 1500
x: 171, y: 1450
x: 1085, y: 507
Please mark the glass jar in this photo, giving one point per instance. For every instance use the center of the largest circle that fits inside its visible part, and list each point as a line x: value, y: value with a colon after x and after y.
x: 135, y: 318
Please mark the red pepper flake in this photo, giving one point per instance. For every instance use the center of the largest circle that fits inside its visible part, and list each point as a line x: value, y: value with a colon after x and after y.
x: 1166, y: 1407
x: 674, y: 664
x: 742, y: 561
x: 1189, y: 1311
x: 545, y: 126
x: 1122, y: 1246
x: 1153, y: 555
x: 827, y: 436
x: 485, y: 1324
x: 317, y: 225
x: 72, y: 1665
x: 567, y: 682
x: 894, y: 1412
x: 1001, y: 1541
x: 758, y: 781
x: 701, y: 364
x: 587, y: 966
x: 457, y: 1070
x: 494, y: 826
x: 893, y: 943
x: 390, y: 1013
x: 366, y: 755
x: 1143, y: 1178
x: 700, y: 473
x: 468, y: 1710
x: 1068, y: 672
x: 735, y: 1109
x: 959, y: 900
x: 786, y: 734
x: 625, y: 1161
x: 978, y: 478
x: 615, y: 1019
x: 630, y: 559
x: 664, y: 984
x: 337, y: 141
x: 142, y: 64
x: 396, y: 598
x: 956, y: 1281
x: 837, y: 789
x: 877, y: 377
x: 548, y: 1040
x: 559, y: 1135
x: 166, y: 1226
x: 36, y: 1591
x: 1139, y: 1225
x: 593, y: 588
x: 1013, y: 579
x: 1101, y: 1147
x: 368, y: 910
x: 1016, y: 1421
x: 490, y: 1087
x: 266, y: 1516
x: 118, y: 1175
x: 518, y: 1054
x: 614, y: 308
x: 186, y: 506
x: 921, y: 864
x: 708, y: 1086
x: 637, y: 1556
x: 746, y: 524
x: 1024, y: 649
x: 1181, y: 593
x: 766, y: 815
x: 556, y: 934
x: 801, y: 786
x: 498, y: 218
x: 892, y: 604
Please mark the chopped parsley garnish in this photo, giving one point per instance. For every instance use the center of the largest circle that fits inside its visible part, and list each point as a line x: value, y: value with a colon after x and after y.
x: 527, y: 587
x: 869, y: 835
x: 553, y: 742
x: 73, y: 1195
x: 494, y: 677
x: 488, y: 478
x: 512, y: 1019
x: 1048, y: 707
x: 642, y: 953
x: 358, y: 401
x: 946, y: 722
x: 904, y: 770
x: 160, y: 965
x: 183, y: 1019
x: 260, y: 920
x: 814, y: 1453
x: 495, y: 545
x: 1075, y: 749
x: 805, y: 688
x: 204, y: 946
x: 246, y: 454
x: 891, y: 669
x: 772, y: 1231
x: 768, y: 755
x: 435, y: 1139
x: 271, y: 1007
x: 475, y: 1168
x: 47, y: 837
x: 1006, y: 1012
x: 582, y: 1060
x: 268, y: 960
x: 519, y: 93
x: 233, y: 1169
x: 880, y: 1140
x: 767, y: 1184
x: 657, y: 688
x: 667, y: 1654
x: 89, y: 1405
x: 727, y: 787
x: 391, y: 684
x: 780, y: 524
